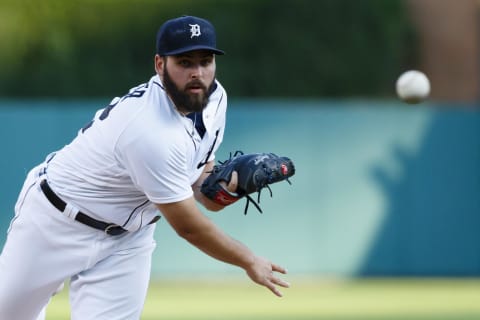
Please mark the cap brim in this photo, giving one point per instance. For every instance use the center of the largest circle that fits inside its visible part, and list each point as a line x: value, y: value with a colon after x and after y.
x: 193, y: 48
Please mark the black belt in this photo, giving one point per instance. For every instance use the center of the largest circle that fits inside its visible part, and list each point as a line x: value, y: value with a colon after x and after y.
x: 109, y: 228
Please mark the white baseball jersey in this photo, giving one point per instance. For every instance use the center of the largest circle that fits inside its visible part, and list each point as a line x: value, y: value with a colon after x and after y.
x: 137, y: 151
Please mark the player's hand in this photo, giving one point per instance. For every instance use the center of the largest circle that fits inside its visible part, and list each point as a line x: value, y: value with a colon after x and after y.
x: 262, y: 271
x: 231, y: 187
x: 233, y: 184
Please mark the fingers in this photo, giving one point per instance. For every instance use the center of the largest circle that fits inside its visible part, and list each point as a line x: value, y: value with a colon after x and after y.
x: 277, y: 268
x: 280, y: 282
x: 275, y: 291
x: 232, y: 185
x: 263, y: 273
x: 273, y: 283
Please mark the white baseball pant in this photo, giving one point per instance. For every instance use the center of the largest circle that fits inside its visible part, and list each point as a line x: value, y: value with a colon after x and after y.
x: 108, y: 275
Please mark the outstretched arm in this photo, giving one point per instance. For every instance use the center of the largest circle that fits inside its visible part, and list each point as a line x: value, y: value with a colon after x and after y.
x: 192, y: 225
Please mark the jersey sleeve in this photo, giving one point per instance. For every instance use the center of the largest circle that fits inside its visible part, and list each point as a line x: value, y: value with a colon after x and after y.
x: 156, y: 165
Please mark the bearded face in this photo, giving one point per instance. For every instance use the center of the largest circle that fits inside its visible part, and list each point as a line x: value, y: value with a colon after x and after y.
x: 193, y: 97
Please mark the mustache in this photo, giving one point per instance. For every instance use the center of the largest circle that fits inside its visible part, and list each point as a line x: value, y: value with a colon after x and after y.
x: 196, y: 83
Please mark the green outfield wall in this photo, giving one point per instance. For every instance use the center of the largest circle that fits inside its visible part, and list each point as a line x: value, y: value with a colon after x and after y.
x: 381, y: 188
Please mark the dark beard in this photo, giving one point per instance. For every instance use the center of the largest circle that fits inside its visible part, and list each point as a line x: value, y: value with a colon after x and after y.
x: 185, y: 102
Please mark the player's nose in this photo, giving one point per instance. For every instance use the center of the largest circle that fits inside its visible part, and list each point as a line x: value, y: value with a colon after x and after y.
x: 196, y: 71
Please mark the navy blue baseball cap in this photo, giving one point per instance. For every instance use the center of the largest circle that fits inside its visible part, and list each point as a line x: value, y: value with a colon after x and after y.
x: 185, y: 34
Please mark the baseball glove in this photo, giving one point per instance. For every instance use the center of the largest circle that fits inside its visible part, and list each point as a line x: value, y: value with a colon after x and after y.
x: 255, y: 172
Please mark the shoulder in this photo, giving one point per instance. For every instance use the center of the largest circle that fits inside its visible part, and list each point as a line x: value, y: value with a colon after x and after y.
x: 219, y: 92
x: 149, y: 115
x: 217, y: 104
x: 151, y: 92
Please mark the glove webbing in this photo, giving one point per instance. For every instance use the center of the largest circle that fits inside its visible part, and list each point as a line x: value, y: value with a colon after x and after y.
x: 256, y: 204
x: 249, y: 199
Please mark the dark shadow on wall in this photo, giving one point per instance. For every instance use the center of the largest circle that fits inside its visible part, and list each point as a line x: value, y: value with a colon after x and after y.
x: 431, y: 225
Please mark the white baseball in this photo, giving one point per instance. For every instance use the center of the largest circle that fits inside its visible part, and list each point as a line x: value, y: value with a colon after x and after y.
x: 413, y: 86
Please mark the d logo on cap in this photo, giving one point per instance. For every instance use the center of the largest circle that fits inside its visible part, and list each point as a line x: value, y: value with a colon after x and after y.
x: 195, y: 30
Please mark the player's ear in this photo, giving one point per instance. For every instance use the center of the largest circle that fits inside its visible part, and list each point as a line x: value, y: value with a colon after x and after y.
x: 159, y: 64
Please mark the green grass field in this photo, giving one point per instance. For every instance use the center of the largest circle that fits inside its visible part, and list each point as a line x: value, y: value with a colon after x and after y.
x: 307, y: 299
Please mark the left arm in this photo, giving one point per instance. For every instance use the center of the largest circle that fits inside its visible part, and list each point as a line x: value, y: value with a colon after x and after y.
x: 201, y: 198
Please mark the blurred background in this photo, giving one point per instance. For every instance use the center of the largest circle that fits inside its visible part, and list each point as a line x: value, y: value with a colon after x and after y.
x: 382, y: 188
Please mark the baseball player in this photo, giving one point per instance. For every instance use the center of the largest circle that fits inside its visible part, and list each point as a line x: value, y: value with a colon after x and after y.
x: 88, y: 212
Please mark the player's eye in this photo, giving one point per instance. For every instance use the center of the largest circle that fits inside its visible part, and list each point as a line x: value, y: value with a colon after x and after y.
x: 185, y: 63
x: 206, y: 62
